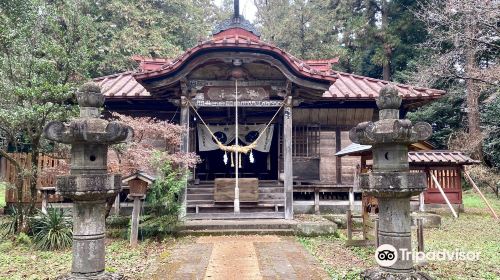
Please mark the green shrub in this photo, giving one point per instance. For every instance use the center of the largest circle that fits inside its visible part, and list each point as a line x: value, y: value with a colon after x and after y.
x: 117, y: 222
x: 162, y: 214
x: 51, y: 231
x: 10, y: 225
x: 23, y: 239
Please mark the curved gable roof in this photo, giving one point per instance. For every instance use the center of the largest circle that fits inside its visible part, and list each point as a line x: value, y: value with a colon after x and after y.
x: 238, y: 40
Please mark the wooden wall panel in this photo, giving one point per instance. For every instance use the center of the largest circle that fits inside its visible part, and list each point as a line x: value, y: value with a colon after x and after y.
x: 327, y: 154
x: 349, y: 163
x: 332, y: 116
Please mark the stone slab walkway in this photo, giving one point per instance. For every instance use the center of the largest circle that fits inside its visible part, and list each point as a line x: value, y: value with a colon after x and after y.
x: 241, y: 258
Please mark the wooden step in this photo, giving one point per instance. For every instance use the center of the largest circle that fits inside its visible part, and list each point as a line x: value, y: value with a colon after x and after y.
x: 224, y: 216
x: 267, y: 196
x: 212, y: 205
x: 191, y: 197
x: 237, y: 232
x: 271, y: 190
x: 200, y: 190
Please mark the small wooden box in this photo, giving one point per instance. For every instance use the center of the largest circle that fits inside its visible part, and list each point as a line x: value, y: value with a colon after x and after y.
x: 224, y: 189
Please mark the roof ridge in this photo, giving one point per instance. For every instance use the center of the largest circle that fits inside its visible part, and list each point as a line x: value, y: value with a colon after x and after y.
x: 113, y: 75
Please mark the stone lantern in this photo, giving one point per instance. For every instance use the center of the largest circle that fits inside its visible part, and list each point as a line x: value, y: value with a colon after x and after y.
x: 89, y: 184
x: 392, y: 183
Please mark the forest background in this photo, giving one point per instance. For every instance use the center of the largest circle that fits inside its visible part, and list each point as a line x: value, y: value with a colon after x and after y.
x: 49, y: 47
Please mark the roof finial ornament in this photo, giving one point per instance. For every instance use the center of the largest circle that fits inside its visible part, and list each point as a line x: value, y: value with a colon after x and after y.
x: 236, y: 21
x: 236, y: 8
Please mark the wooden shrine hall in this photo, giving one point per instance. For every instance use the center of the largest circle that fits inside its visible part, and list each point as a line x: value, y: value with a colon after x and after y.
x: 265, y: 124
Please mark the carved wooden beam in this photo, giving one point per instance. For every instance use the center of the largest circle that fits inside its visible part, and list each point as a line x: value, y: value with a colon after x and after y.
x: 221, y: 56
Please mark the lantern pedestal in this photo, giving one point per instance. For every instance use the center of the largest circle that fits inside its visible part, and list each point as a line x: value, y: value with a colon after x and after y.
x: 393, y: 184
x: 89, y: 184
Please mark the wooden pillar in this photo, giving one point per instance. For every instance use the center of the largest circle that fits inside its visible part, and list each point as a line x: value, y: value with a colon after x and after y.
x: 316, y: 201
x: 287, y: 157
x: 184, y: 122
x: 421, y: 202
x: 338, y: 160
x: 351, y: 199
x: 135, y: 221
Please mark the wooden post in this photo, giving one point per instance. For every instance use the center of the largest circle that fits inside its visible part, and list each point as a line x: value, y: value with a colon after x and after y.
x: 184, y: 122
x: 44, y: 201
x: 421, y: 202
x: 443, y: 194
x: 420, y: 235
x: 376, y: 233
x: 482, y: 196
x: 236, y: 155
x: 287, y: 157
x: 351, y: 199
x: 134, y: 231
x: 338, y: 160
x: 316, y: 201
x: 349, y: 225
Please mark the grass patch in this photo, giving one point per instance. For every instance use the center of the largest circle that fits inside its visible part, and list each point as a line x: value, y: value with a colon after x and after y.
x: 473, y: 200
x: 474, y: 231
x: 20, y: 261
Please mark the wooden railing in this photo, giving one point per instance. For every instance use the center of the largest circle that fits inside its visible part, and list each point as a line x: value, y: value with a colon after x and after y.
x: 9, y: 173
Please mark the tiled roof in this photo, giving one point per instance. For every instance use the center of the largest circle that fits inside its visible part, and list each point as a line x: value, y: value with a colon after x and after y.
x: 346, y: 86
x: 148, y: 63
x: 239, y: 40
x: 440, y: 156
x: 121, y: 85
x: 416, y: 157
x: 350, y: 86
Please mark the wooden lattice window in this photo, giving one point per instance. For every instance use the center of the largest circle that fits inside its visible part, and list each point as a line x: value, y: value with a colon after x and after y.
x: 305, y: 142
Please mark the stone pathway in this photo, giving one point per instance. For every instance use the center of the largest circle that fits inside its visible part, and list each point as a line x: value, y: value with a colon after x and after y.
x: 241, y: 258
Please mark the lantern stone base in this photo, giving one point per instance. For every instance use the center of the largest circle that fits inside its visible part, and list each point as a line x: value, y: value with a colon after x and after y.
x: 100, y: 276
x: 378, y: 274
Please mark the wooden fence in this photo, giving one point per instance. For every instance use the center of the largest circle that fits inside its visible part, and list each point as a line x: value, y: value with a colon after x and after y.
x: 9, y: 173
x: 449, y: 178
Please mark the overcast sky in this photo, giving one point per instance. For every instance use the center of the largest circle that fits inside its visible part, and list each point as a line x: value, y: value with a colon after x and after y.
x: 247, y: 8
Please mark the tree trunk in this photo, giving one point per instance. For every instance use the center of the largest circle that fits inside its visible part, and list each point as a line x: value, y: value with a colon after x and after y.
x: 20, y: 209
x: 472, y: 99
x: 33, y: 181
x: 386, y: 66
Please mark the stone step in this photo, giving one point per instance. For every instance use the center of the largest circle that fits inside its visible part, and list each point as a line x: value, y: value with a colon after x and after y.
x: 285, y: 232
x: 238, y: 224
